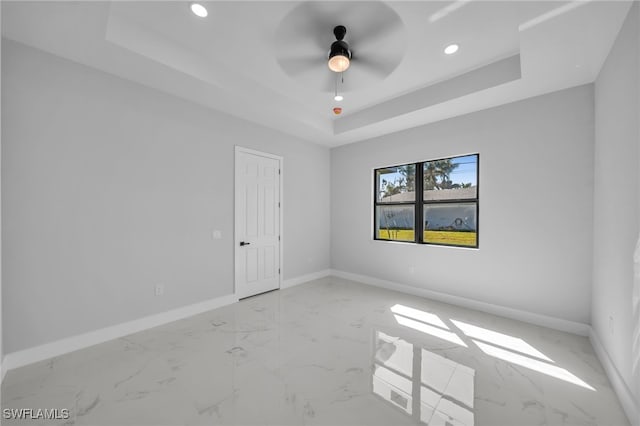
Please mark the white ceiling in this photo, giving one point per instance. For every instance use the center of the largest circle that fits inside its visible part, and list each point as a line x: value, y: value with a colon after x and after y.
x: 241, y: 59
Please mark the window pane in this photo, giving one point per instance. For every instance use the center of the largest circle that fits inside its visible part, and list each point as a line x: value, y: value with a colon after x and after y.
x: 451, y: 179
x: 454, y: 224
x: 396, y: 184
x: 395, y: 223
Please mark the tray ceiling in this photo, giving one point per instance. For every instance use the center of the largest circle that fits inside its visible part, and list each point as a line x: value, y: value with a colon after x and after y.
x: 257, y: 60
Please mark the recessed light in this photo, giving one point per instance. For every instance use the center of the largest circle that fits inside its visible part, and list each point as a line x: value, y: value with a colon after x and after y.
x: 338, y: 98
x: 451, y: 49
x: 199, y: 10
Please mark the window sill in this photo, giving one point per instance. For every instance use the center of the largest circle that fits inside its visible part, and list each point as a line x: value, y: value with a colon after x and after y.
x: 425, y: 245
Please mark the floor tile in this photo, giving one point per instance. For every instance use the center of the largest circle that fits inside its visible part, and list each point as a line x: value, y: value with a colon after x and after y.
x: 328, y: 352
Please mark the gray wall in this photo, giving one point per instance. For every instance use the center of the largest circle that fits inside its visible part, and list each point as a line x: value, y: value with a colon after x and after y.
x: 1, y: 322
x: 617, y: 194
x: 536, y: 193
x: 110, y: 187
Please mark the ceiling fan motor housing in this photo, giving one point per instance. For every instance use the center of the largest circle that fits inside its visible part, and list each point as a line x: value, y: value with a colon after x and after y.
x: 339, y: 47
x: 339, y: 31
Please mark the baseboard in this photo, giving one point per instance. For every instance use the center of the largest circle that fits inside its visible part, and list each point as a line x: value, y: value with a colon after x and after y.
x: 69, y: 344
x: 529, y: 317
x: 305, y: 278
x: 625, y: 396
x: 74, y: 343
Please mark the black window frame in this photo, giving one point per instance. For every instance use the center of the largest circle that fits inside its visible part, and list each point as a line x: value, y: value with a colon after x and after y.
x: 419, y: 203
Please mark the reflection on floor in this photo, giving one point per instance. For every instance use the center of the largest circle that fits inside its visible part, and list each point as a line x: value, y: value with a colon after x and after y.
x: 427, y: 386
x: 328, y: 352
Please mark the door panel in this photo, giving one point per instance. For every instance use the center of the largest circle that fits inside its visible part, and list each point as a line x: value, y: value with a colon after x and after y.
x: 257, y: 223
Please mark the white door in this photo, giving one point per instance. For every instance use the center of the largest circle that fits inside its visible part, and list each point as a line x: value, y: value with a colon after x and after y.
x: 257, y: 222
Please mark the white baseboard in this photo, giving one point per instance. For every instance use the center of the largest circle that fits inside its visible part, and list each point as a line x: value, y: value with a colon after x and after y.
x: 625, y: 396
x: 69, y: 344
x: 530, y: 317
x: 74, y: 343
x: 305, y: 278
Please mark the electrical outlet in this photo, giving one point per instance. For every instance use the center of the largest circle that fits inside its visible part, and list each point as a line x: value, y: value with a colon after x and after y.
x: 216, y: 234
x: 159, y: 289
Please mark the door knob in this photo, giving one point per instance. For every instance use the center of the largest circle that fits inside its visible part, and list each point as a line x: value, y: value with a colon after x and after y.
x: 242, y: 243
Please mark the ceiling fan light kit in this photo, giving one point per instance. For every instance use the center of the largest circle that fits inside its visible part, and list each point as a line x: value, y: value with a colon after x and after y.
x: 338, y: 63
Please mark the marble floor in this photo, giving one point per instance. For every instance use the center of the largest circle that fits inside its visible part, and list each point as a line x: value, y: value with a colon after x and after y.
x: 328, y: 352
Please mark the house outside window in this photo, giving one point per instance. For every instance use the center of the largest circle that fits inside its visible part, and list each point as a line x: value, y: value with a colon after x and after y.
x: 428, y: 202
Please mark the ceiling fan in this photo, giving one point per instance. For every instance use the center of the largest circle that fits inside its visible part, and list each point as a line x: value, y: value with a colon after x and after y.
x: 339, y: 55
x: 367, y: 53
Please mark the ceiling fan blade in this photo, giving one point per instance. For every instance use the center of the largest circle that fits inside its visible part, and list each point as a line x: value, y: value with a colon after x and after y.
x: 307, y: 26
x: 321, y: 24
x: 376, y: 65
x: 373, y: 28
x: 383, y: 38
x: 297, y: 65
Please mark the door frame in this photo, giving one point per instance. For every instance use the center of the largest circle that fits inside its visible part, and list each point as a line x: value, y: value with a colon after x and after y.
x: 236, y: 241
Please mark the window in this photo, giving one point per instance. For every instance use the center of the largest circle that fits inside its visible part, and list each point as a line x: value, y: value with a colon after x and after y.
x: 396, y: 203
x: 430, y: 202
